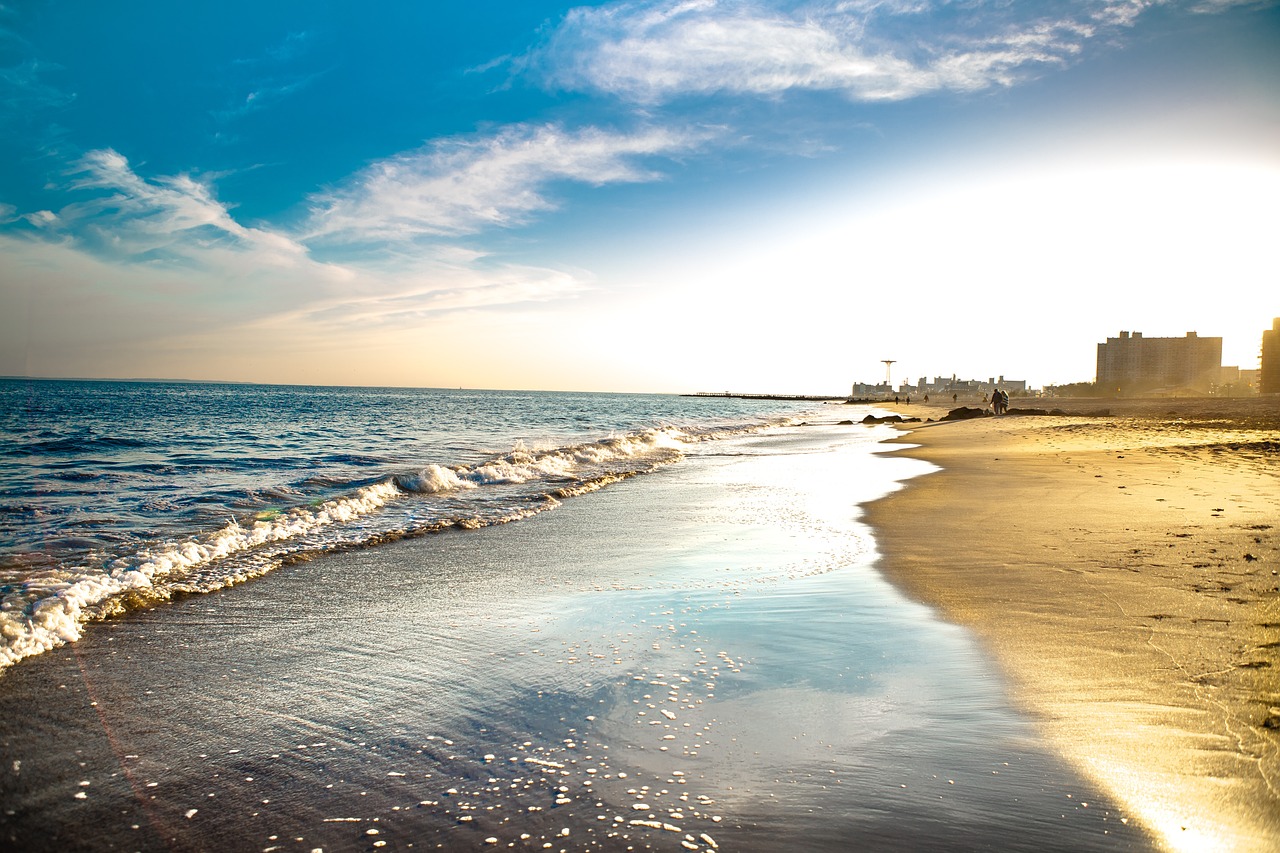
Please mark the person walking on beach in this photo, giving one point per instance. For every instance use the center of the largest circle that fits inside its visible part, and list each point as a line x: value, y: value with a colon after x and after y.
x: 995, y: 401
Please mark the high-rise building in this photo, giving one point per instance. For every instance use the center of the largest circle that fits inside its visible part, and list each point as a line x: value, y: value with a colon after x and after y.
x: 1269, y: 369
x: 1132, y: 363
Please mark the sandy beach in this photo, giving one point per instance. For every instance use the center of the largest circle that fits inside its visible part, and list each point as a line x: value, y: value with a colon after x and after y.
x: 1122, y: 568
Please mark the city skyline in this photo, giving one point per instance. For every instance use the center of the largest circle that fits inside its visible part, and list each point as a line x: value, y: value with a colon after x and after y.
x: 647, y: 196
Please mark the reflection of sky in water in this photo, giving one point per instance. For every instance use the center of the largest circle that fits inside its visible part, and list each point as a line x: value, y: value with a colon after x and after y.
x: 813, y: 687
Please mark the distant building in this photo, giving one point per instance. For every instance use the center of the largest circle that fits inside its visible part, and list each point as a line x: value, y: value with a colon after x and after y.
x: 863, y: 391
x: 1234, y: 382
x: 952, y: 385
x: 1269, y: 369
x: 1132, y: 363
x: 970, y: 389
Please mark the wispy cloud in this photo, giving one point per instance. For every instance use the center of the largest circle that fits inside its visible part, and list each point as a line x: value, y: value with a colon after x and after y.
x: 26, y: 92
x: 271, y: 78
x: 870, y: 51
x: 263, y: 95
x: 163, y: 218
x: 407, y: 295
x: 462, y: 185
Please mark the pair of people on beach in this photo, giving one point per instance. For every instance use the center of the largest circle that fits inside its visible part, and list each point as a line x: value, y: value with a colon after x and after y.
x: 999, y: 401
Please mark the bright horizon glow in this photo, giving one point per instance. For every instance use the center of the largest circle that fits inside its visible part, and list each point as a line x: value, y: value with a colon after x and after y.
x: 651, y: 196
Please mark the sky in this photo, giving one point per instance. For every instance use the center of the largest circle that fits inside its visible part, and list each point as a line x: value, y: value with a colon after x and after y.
x: 673, y: 196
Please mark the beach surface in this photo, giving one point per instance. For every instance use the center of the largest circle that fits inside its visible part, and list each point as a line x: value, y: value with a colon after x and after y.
x: 1122, y: 568
x: 702, y: 658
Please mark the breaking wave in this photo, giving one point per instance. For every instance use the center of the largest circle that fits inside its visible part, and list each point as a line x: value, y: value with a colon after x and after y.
x: 43, y: 609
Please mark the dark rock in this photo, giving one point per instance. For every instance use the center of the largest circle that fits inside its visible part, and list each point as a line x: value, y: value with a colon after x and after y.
x: 964, y: 413
x: 1027, y: 412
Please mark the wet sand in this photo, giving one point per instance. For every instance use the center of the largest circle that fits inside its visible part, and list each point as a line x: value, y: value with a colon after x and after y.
x: 702, y: 658
x: 1123, y: 570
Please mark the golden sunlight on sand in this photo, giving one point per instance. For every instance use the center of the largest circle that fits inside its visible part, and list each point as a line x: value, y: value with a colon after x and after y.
x: 1124, y: 570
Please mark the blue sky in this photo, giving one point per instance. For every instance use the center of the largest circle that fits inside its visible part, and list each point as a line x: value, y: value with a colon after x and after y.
x: 646, y: 196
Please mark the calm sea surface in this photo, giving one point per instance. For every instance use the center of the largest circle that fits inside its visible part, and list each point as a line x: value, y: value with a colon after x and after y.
x: 118, y: 494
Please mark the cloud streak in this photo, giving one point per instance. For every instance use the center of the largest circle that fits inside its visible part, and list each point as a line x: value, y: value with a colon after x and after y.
x: 463, y: 185
x: 651, y: 53
x: 165, y: 218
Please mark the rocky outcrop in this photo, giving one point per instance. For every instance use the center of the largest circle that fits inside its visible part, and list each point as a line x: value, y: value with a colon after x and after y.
x: 889, y: 419
x: 965, y: 413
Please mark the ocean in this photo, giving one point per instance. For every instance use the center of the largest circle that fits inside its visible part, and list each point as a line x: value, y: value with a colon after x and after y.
x: 120, y: 494
x: 317, y: 619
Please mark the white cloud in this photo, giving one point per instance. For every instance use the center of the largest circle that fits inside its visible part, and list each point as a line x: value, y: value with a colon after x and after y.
x: 1123, y: 13
x: 42, y: 218
x: 464, y: 184
x: 162, y: 218
x: 654, y: 52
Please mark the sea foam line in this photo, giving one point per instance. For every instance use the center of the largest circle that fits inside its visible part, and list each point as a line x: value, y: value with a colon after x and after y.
x: 63, y: 605
x: 523, y: 466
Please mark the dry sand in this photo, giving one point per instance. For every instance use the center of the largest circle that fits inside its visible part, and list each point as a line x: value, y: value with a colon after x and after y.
x: 1123, y: 570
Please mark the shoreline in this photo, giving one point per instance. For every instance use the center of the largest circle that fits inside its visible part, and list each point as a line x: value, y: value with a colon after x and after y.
x: 705, y: 653
x: 1121, y: 570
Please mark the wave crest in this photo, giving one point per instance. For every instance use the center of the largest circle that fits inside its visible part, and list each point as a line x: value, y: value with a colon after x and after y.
x: 50, y: 607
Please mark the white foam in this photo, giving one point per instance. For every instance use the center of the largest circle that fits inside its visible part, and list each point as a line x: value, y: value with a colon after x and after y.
x: 525, y: 466
x: 62, y: 602
x: 434, y: 479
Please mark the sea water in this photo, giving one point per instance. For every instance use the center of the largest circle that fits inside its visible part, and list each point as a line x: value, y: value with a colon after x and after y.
x: 701, y: 658
x: 694, y: 651
x: 115, y: 495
